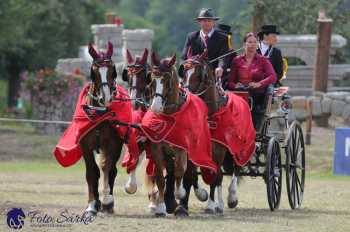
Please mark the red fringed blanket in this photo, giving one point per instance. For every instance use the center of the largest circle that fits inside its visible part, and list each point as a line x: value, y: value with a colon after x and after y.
x: 232, y: 127
x: 68, y: 150
x: 186, y: 129
x: 130, y: 161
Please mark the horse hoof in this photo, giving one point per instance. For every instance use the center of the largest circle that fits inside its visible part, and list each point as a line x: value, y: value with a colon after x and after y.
x: 219, y: 210
x: 130, y: 189
x: 210, y: 211
x: 232, y: 205
x: 160, y: 214
x: 152, y: 207
x: 171, y: 205
x: 109, y: 208
x: 90, y: 214
x: 201, y: 194
x: 160, y: 210
x: 181, y: 212
x: 180, y: 193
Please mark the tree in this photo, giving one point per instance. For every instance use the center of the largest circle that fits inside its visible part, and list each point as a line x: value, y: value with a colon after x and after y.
x: 34, y: 34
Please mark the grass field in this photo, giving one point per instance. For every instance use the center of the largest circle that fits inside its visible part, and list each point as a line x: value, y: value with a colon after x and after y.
x: 31, y: 179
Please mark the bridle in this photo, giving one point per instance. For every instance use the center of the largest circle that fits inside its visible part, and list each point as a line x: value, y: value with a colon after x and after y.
x: 94, y: 93
x: 134, y: 70
x: 204, y: 82
x: 156, y: 73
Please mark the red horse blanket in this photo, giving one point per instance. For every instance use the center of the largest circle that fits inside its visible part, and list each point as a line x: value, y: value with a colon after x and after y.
x: 68, y: 150
x: 186, y: 129
x: 130, y: 161
x: 232, y: 127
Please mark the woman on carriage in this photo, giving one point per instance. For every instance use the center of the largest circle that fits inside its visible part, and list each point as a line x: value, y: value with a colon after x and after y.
x: 253, y: 71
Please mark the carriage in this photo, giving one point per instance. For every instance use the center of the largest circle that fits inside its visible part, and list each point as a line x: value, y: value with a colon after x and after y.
x: 268, y: 160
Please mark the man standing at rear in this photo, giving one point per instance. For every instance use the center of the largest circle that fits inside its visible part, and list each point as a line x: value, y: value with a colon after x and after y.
x: 215, y: 41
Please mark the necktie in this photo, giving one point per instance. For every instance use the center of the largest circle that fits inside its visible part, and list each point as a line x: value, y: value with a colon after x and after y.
x: 206, y: 39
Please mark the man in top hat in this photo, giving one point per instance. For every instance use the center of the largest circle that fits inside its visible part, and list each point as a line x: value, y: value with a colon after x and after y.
x: 214, y: 40
x: 267, y: 41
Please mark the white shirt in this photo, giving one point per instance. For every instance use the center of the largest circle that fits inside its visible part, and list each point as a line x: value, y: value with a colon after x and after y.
x: 263, y: 48
x: 202, y: 34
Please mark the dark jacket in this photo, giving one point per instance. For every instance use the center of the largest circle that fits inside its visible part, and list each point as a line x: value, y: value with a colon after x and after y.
x: 275, y: 59
x: 217, y: 46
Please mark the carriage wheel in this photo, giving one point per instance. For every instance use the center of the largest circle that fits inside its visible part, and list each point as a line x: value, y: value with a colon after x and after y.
x: 295, y: 165
x: 273, y: 174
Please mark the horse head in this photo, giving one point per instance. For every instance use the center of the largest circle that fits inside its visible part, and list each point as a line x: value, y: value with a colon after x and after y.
x: 103, y: 75
x: 196, y: 73
x: 164, y: 84
x: 136, y: 75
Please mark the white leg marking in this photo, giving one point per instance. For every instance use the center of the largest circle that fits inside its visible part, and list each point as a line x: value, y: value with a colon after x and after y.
x: 131, y: 185
x: 161, y: 209
x: 180, y: 192
x: 91, y: 207
x: 211, y: 208
x: 201, y: 193
x: 220, y: 199
x: 232, y: 190
x: 107, y: 198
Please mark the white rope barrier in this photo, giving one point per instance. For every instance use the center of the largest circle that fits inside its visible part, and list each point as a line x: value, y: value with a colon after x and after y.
x: 33, y: 121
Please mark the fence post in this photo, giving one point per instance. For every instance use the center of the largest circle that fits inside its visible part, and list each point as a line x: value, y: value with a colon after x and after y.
x: 320, y: 78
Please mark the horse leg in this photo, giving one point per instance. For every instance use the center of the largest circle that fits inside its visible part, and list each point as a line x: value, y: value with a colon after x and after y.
x: 152, y: 192
x: 199, y: 192
x: 179, y: 171
x: 232, y: 198
x: 220, y: 203
x: 157, y: 158
x: 111, y: 146
x: 92, y: 175
x: 131, y: 185
x: 211, y: 207
x: 169, y: 196
x: 182, y: 209
x: 218, y: 152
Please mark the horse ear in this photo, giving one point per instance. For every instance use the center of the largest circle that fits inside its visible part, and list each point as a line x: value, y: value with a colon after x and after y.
x: 125, y: 76
x: 129, y: 57
x: 180, y: 72
x: 144, y: 56
x: 109, y: 52
x: 155, y: 59
x: 93, y: 53
x: 172, y: 61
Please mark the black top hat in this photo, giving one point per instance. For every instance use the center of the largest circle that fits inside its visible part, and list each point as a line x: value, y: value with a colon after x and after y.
x: 268, y: 29
x: 206, y: 13
x: 225, y: 28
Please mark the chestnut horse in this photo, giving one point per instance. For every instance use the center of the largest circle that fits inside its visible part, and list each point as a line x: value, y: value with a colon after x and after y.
x: 136, y: 75
x: 166, y: 99
x: 199, y: 79
x: 104, y: 138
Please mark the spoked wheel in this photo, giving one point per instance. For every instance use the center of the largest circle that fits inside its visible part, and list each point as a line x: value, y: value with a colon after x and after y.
x: 295, y: 165
x: 273, y: 174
